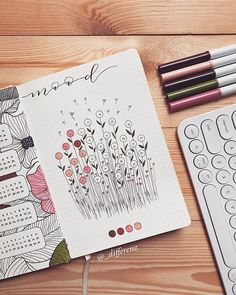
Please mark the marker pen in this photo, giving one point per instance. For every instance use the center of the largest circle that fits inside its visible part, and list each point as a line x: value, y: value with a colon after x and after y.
x: 201, y: 67
x: 199, y: 78
x: 201, y: 87
x: 201, y: 98
x: 197, y: 58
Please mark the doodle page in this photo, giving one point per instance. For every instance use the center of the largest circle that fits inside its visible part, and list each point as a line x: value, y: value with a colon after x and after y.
x: 103, y: 153
x: 30, y: 234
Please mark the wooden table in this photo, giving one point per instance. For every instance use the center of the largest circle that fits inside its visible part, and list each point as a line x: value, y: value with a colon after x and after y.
x: 42, y: 37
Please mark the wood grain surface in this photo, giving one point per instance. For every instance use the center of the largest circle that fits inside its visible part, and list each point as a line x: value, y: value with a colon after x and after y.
x: 175, y: 263
x: 112, y: 17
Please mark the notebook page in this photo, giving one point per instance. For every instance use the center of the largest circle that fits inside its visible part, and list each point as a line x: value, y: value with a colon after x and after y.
x: 103, y: 153
x: 30, y: 234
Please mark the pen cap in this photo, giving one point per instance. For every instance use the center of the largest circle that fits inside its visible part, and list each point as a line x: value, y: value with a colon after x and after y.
x: 230, y: 49
x: 227, y: 90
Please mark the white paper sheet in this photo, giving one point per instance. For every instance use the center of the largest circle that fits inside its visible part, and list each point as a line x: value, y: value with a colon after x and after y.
x: 103, y: 153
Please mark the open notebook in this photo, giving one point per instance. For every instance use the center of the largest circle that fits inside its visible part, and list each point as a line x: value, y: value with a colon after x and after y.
x: 83, y: 165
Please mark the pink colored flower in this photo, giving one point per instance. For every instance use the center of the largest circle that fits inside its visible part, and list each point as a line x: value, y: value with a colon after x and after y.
x: 70, y: 133
x: 82, y: 180
x: 40, y: 190
x: 82, y: 153
x: 74, y: 161
x: 58, y: 156
x: 87, y: 169
x: 65, y: 146
x: 77, y: 143
x: 68, y: 173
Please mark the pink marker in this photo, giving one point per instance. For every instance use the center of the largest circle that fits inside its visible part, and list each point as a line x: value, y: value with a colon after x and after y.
x: 201, y: 98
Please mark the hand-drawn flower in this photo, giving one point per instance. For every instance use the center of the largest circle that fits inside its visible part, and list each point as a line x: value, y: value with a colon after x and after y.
x: 66, y: 146
x: 97, y: 178
x: 77, y: 143
x: 141, y: 137
x: 82, y: 153
x: 123, y: 138
x: 105, y: 168
x: 58, y: 156
x: 141, y: 153
x: 74, y: 161
x: 106, y: 135
x: 129, y: 153
x: 128, y: 124
x: 82, y: 179
x: 133, y: 143
x: 100, y: 146
x: 134, y: 164
x: 40, y: 190
x: 87, y: 169
x: 118, y: 175
x: 121, y: 161
x: 91, y: 158
x: 87, y: 122
x: 106, y: 155
x: 70, y: 133
x: 81, y: 131
x: 22, y: 142
x: 89, y: 139
x: 99, y: 114
x: 114, y: 146
x: 69, y: 173
x: 112, y: 121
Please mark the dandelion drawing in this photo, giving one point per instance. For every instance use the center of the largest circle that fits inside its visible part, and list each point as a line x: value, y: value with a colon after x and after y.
x: 107, y: 167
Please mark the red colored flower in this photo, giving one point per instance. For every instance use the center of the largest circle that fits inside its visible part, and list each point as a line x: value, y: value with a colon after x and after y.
x: 40, y: 190
x: 77, y: 143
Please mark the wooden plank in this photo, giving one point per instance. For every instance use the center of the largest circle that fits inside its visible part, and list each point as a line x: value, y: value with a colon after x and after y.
x: 175, y: 263
x: 25, y: 58
x: 83, y: 17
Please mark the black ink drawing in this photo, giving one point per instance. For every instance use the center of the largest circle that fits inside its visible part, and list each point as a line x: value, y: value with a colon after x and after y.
x: 110, y: 173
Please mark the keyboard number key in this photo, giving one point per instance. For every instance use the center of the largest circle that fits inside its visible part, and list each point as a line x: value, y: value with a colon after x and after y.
x: 200, y: 161
x: 232, y: 222
x: 191, y: 131
x: 196, y: 146
x: 205, y: 176
x: 232, y: 162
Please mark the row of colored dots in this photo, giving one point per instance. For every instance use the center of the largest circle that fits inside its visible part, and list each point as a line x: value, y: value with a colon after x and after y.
x: 129, y: 228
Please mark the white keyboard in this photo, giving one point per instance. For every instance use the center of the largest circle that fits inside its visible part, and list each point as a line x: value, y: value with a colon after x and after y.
x: 209, y: 145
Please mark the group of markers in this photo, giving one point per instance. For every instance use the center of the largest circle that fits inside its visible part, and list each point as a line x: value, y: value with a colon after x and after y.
x: 199, y: 78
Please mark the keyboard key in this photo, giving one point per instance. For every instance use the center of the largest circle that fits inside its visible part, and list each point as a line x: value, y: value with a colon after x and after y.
x: 232, y: 275
x: 205, y: 176
x: 230, y: 207
x: 232, y: 162
x: 234, y: 119
x: 200, y: 161
x: 211, y: 136
x: 191, y: 131
x: 218, y: 162
x: 232, y: 222
x: 223, y: 176
x: 234, y: 289
x: 230, y: 147
x: 196, y: 146
x: 228, y: 192
x: 225, y: 126
x: 217, y: 214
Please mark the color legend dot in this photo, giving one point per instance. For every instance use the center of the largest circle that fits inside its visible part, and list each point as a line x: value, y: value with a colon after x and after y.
x: 120, y: 231
x: 137, y: 225
x: 129, y: 228
x: 112, y: 233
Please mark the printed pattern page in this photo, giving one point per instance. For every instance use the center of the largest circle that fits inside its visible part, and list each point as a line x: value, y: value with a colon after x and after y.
x: 104, y: 155
x: 30, y: 234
